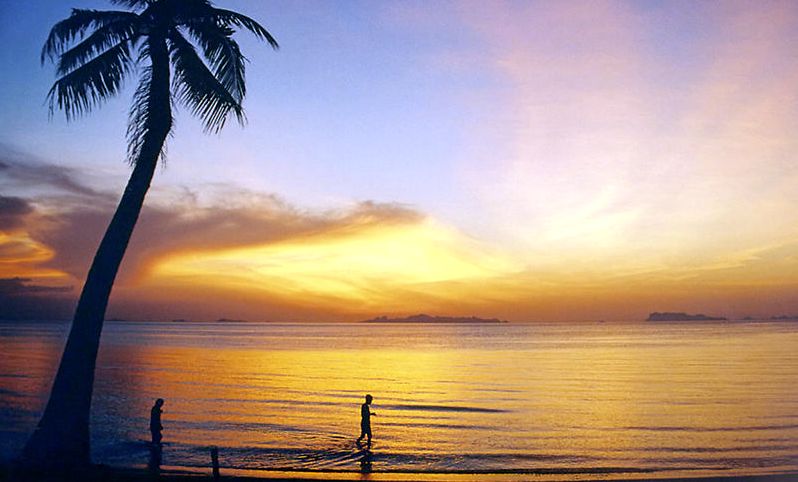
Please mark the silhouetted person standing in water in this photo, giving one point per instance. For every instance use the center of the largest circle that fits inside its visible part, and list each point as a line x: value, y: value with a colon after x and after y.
x: 155, y: 422
x: 365, y: 419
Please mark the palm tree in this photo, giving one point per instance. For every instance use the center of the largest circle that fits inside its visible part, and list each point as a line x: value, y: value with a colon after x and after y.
x: 164, y: 42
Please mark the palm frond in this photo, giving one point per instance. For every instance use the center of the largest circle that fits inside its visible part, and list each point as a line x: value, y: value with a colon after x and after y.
x: 93, y: 82
x: 222, y: 54
x: 102, y: 39
x: 140, y: 118
x: 228, y: 17
x: 74, y: 27
x: 188, y: 9
x: 134, y: 3
x: 198, y: 89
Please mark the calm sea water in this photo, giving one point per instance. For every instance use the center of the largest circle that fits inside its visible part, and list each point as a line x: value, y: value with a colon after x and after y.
x: 615, y: 399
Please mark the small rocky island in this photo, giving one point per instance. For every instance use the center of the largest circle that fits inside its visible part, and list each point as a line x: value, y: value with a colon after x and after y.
x: 422, y: 318
x: 671, y: 316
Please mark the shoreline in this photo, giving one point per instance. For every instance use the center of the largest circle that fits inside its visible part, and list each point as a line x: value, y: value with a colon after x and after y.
x: 191, y: 474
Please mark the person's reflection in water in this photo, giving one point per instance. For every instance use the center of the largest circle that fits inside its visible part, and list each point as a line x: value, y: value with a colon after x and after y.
x: 365, y: 462
x: 365, y: 420
x: 155, y: 422
x: 154, y: 464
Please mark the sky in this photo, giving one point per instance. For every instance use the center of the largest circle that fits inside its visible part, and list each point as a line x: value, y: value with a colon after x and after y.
x: 568, y: 160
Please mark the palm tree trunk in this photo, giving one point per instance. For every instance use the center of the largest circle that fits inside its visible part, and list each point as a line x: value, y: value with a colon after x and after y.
x: 61, y: 439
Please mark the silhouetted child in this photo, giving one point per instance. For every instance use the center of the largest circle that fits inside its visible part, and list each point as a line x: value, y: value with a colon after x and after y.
x: 365, y: 419
x: 155, y: 422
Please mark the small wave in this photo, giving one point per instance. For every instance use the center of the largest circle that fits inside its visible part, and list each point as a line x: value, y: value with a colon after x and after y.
x: 238, y: 426
x: 776, y: 417
x: 710, y: 450
x: 443, y: 408
x: 722, y: 463
x: 706, y: 429
x: 11, y: 393
x: 433, y: 425
x: 332, y: 458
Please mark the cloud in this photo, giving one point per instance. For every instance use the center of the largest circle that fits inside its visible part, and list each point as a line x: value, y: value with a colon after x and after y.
x: 222, y: 251
x: 233, y: 219
x: 223, y: 243
x: 21, y: 171
x: 65, y: 220
x: 633, y: 133
x: 12, y: 212
x: 375, y: 266
x: 21, y: 286
x: 19, y: 299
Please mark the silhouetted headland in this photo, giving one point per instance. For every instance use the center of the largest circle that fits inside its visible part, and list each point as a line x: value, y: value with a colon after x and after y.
x: 218, y: 320
x: 423, y: 318
x: 671, y: 316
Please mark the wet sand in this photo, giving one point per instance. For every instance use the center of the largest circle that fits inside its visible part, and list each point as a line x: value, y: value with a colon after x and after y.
x: 104, y: 473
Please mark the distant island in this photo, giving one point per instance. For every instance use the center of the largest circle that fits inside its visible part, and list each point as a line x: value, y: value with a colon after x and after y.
x: 784, y: 317
x: 422, y: 318
x: 669, y: 316
x: 220, y: 320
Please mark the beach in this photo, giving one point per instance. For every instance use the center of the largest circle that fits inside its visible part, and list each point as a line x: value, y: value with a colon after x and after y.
x: 180, y: 475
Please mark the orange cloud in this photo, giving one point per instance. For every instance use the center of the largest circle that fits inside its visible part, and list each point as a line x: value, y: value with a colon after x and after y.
x: 365, y: 267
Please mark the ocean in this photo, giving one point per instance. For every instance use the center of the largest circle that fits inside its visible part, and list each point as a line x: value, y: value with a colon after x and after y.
x: 591, y: 399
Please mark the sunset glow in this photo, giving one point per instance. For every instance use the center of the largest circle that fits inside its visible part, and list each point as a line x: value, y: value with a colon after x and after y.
x: 353, y: 267
x: 21, y: 255
x: 558, y: 160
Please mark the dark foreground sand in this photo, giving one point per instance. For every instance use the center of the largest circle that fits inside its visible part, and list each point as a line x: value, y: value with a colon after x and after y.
x: 103, y: 473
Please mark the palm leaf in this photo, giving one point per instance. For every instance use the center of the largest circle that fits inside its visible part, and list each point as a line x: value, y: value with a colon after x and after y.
x: 134, y: 3
x: 101, y: 40
x: 228, y: 17
x: 98, y: 79
x: 223, y: 55
x: 66, y: 31
x: 198, y: 89
x: 140, y: 117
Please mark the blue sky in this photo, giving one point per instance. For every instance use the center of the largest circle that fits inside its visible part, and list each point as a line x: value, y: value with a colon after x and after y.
x: 349, y: 108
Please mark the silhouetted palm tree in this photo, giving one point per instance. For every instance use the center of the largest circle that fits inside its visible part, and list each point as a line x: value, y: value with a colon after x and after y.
x: 164, y: 41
